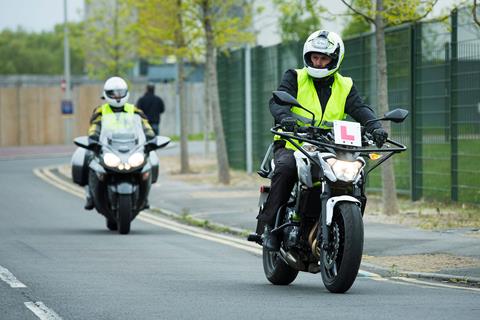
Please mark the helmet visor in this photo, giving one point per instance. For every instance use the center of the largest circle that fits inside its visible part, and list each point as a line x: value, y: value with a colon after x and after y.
x: 116, y: 94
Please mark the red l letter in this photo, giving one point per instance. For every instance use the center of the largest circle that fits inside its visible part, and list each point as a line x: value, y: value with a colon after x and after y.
x: 345, y: 135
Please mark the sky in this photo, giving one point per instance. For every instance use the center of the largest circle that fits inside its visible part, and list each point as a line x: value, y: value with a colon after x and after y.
x: 37, y: 15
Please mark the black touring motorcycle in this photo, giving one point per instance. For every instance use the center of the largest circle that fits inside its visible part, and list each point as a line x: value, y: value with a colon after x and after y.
x: 321, y: 226
x: 119, y: 169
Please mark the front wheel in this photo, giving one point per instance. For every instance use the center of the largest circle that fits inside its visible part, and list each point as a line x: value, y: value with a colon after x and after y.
x: 276, y: 270
x: 340, y: 263
x: 125, y: 209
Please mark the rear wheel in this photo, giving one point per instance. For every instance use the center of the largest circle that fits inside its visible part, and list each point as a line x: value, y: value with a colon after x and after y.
x: 340, y: 263
x: 276, y: 270
x: 124, y: 213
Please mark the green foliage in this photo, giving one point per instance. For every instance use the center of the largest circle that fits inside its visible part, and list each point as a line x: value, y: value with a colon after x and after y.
x: 394, y: 12
x: 299, y: 18
x: 166, y: 28
x: 355, y: 26
x: 231, y: 21
x: 109, y: 39
x: 23, y: 52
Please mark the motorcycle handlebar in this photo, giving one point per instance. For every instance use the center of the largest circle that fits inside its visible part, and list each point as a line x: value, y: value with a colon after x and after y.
x: 305, y: 130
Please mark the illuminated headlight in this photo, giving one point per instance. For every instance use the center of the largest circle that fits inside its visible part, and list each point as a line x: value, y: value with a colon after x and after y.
x: 111, y: 160
x: 345, y: 170
x: 136, y: 159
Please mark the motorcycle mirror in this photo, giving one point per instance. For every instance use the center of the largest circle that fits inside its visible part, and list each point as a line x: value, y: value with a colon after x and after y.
x: 84, y: 142
x: 157, y: 143
x: 284, y: 98
x: 162, y: 141
x: 396, y: 115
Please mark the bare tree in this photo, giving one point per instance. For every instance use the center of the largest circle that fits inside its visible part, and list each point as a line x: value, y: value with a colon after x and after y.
x: 382, y: 13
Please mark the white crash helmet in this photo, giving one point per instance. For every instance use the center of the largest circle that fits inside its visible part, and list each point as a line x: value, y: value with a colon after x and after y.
x: 115, y: 91
x: 325, y: 42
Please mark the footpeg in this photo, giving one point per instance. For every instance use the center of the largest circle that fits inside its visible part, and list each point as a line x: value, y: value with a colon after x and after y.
x: 253, y: 237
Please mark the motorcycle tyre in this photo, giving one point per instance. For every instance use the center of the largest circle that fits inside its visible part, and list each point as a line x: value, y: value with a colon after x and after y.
x: 351, y: 217
x: 276, y: 270
x: 125, y: 209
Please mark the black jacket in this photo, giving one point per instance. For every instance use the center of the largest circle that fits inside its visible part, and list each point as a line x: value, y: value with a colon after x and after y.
x: 354, y: 106
x: 152, y: 106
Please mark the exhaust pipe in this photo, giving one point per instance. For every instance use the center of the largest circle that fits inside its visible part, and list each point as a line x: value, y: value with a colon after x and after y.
x: 291, y: 260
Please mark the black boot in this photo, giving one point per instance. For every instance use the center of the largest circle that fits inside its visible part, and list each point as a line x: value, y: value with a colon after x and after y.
x: 88, y: 203
x: 270, y: 240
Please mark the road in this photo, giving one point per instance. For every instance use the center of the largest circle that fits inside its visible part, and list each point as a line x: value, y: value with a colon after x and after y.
x: 74, y: 268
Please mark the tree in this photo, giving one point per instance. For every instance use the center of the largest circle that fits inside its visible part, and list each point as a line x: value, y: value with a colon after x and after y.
x: 388, y: 12
x: 355, y: 26
x: 40, y: 53
x: 109, y: 40
x: 224, y: 26
x: 166, y: 28
x: 299, y: 18
x: 474, y: 11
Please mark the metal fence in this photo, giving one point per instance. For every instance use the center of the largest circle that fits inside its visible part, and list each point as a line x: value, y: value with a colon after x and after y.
x: 433, y: 71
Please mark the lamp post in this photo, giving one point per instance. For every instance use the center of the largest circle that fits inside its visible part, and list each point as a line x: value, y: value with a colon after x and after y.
x: 67, y: 104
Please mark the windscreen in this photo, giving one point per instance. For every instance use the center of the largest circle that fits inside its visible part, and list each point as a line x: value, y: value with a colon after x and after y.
x: 122, y: 131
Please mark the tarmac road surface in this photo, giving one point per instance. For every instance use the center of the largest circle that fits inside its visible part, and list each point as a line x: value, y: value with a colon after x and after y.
x: 72, y: 267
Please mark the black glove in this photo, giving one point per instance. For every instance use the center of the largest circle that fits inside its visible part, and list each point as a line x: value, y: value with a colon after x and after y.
x: 379, y: 136
x: 289, y: 123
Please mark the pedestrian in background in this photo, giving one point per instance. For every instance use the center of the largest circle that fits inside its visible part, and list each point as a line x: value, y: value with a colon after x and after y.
x: 153, y: 106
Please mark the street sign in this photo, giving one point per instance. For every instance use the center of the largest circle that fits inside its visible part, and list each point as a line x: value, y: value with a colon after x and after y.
x: 67, y: 107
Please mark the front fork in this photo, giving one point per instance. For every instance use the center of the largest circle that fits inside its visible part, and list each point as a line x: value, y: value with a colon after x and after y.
x: 323, y: 236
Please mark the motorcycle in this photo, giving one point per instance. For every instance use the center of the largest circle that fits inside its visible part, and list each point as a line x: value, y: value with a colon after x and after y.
x: 118, y: 169
x: 321, y: 226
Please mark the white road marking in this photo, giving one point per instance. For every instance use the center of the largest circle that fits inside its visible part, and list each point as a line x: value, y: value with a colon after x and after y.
x: 200, y: 233
x: 433, y: 284
x: 10, y: 279
x: 42, y: 311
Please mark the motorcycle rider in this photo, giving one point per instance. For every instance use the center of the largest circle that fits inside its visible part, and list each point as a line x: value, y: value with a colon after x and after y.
x: 115, y: 93
x: 320, y: 88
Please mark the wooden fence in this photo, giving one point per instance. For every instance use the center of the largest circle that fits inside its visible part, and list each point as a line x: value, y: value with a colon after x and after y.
x: 30, y: 114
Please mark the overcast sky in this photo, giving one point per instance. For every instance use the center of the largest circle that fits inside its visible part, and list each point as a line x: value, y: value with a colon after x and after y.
x: 37, y: 15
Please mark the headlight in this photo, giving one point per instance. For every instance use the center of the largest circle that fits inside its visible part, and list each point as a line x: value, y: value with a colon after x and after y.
x: 136, y: 159
x: 309, y: 147
x: 111, y: 160
x: 345, y: 170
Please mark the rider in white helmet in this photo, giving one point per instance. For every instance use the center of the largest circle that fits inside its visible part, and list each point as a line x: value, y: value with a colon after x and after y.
x: 115, y: 94
x: 319, y: 87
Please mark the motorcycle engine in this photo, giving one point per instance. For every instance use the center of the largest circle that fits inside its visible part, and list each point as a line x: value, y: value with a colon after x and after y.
x: 291, y: 237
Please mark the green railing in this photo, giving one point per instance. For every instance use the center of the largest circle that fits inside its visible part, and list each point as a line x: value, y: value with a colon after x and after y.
x: 434, y: 72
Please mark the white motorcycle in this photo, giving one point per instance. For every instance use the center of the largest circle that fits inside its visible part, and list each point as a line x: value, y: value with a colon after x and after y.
x: 321, y: 227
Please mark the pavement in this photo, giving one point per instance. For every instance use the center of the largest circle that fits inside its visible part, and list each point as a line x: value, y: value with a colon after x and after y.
x: 389, y: 249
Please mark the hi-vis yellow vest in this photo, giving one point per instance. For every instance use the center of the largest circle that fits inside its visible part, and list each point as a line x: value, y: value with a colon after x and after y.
x: 117, y: 120
x: 127, y: 107
x: 307, y: 96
